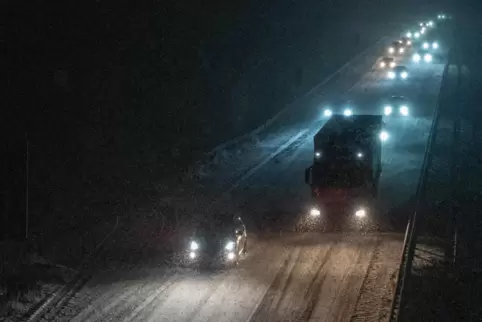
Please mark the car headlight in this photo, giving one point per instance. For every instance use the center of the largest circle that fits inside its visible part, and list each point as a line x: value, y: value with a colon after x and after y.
x: 318, y: 154
x: 408, y: 34
x: 392, y: 64
x: 315, y: 212
x: 435, y: 45
x: 347, y: 112
x: 384, y: 136
x: 194, y: 246
x: 427, y: 58
x: 360, y: 213
x: 409, y: 42
x: 417, y: 35
x: 416, y: 58
x: 401, y: 50
x: 425, y: 45
x: 387, y: 110
x: 404, y: 75
x: 229, y: 246
x: 391, y: 50
x: 382, y: 64
x: 404, y: 110
x: 391, y: 75
x: 327, y: 112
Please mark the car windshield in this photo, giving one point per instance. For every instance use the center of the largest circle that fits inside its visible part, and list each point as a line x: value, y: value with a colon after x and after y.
x: 212, y: 225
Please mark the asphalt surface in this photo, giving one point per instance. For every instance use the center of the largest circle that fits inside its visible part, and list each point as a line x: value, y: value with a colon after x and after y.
x: 296, y: 268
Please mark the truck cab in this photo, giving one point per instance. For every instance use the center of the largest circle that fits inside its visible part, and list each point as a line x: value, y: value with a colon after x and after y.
x: 346, y: 165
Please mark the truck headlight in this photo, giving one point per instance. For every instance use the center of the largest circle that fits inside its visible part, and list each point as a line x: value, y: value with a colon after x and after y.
x: 229, y: 245
x: 315, y: 212
x: 193, y: 246
x: 360, y: 213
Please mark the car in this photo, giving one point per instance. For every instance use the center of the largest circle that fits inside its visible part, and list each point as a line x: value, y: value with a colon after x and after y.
x: 422, y: 56
x: 220, y: 240
x: 399, y: 72
x: 406, y: 41
x: 339, y: 108
x: 396, y: 48
x: 396, y: 105
x: 430, y: 45
x: 387, y: 62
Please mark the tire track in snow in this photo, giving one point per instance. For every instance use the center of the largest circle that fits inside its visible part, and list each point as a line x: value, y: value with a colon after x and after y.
x: 273, y: 290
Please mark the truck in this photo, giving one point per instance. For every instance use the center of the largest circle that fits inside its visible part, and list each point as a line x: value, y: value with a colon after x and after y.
x: 347, y: 164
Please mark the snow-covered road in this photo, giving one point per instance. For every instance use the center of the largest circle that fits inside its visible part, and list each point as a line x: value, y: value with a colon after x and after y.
x: 288, y: 274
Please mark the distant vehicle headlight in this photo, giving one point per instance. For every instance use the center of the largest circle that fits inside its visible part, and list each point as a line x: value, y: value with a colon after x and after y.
x: 391, y: 50
x: 382, y: 64
x: 231, y: 256
x: 427, y: 58
x: 327, y: 112
x: 384, y: 136
x: 392, y: 64
x: 318, y: 154
x: 391, y: 75
x: 401, y: 50
x: 408, y: 34
x: 425, y: 45
x: 359, y: 155
x: 435, y: 45
x: 315, y: 212
x: 417, y: 35
x: 229, y: 246
x: 347, y: 112
x: 360, y: 213
x: 404, y: 75
x: 404, y: 110
x: 194, y: 245
x: 387, y: 110
x: 416, y: 58
x: 409, y: 42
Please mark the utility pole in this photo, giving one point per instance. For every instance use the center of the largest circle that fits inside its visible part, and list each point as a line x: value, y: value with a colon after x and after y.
x: 27, y: 156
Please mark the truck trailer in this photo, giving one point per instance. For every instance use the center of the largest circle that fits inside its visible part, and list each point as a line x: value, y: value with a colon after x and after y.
x: 347, y: 164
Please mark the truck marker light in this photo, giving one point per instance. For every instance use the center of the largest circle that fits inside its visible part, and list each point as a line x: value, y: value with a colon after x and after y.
x: 347, y: 112
x: 384, y: 136
x: 387, y: 110
x: 327, y: 113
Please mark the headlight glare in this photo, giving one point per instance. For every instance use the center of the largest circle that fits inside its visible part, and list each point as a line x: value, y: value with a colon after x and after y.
x: 194, y: 246
x: 229, y: 246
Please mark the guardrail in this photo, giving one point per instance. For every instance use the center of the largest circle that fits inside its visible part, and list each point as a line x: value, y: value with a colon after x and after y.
x: 407, y: 255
